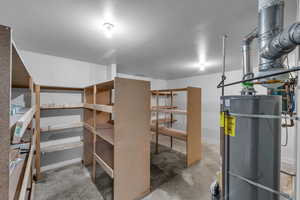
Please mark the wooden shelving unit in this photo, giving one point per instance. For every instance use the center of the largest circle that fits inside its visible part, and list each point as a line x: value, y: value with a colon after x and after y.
x: 17, y: 135
x: 116, y: 119
x: 164, y: 125
x: 63, y: 144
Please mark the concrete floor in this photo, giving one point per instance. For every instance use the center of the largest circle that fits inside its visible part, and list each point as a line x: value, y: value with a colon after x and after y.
x: 169, y: 179
x: 174, y: 183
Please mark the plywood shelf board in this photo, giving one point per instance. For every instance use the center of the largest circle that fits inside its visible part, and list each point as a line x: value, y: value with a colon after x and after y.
x: 53, y: 87
x: 163, y: 107
x: 106, y: 132
x: 20, y: 75
x: 132, y: 117
x: 174, y: 111
x: 28, y: 171
x: 163, y: 121
x: 170, y: 90
x: 108, y: 85
x: 89, y: 106
x: 104, y: 108
x: 194, y: 126
x: 61, y: 126
x: 61, y: 106
x: 179, y: 134
x: 60, y: 144
x: 104, y: 166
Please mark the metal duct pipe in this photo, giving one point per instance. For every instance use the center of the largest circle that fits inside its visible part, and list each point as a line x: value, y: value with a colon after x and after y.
x: 247, y: 69
x: 271, y: 13
x: 283, y: 43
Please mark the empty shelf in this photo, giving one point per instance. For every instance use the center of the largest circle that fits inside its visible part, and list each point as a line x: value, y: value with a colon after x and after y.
x: 163, y: 107
x: 183, y: 112
x: 22, y: 124
x: 103, y: 108
x: 89, y: 106
x: 105, y: 85
x: 106, y: 132
x: 89, y: 128
x: 162, y: 93
x: 51, y: 87
x: 55, y: 135
x: 171, y: 132
x: 170, y: 90
x: 61, y: 106
x: 163, y: 121
x: 104, y: 166
x: 61, y: 144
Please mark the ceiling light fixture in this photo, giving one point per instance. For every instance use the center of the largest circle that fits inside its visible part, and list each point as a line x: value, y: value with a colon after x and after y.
x: 108, y: 29
x: 202, y: 66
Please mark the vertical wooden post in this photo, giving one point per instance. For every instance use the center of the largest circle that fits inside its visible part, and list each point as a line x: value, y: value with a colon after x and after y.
x: 194, y: 143
x: 38, y: 132
x: 94, y: 135
x: 171, y: 124
x: 156, y: 125
x: 5, y: 94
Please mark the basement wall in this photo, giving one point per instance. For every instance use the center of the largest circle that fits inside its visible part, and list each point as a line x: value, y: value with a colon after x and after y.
x: 58, y: 71
x: 156, y: 84
x: 211, y: 106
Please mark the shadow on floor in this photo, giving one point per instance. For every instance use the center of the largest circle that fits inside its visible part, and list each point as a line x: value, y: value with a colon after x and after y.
x: 165, y: 165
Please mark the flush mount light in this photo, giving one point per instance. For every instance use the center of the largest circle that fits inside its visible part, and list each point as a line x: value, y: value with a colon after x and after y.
x: 108, y: 29
x: 202, y: 66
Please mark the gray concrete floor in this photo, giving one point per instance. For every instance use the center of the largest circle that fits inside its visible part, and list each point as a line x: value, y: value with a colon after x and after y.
x: 169, y: 180
x: 74, y: 182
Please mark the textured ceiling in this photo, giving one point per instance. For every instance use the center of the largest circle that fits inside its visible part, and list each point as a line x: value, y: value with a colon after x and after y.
x: 161, y: 39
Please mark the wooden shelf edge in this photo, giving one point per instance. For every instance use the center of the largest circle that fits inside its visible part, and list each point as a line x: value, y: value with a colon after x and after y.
x: 88, y: 106
x: 182, y: 112
x: 89, y: 128
x: 163, y: 107
x: 27, y: 174
x: 61, y: 126
x: 170, y: 90
x: 61, y: 106
x: 99, y: 107
x: 179, y: 134
x: 22, y: 124
x: 108, y: 139
x: 163, y: 121
x: 105, y: 166
x: 51, y: 87
x: 103, y: 108
x: 61, y: 144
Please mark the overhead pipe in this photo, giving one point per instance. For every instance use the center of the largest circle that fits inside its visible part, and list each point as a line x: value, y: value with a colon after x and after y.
x: 271, y: 14
x: 283, y: 43
x: 247, y: 68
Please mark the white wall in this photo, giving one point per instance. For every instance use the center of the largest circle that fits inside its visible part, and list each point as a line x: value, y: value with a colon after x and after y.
x: 156, y: 84
x: 211, y: 106
x: 58, y: 71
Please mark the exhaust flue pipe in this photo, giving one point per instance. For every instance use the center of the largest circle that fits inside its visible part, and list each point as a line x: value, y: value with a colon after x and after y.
x: 271, y: 13
x: 247, y: 69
